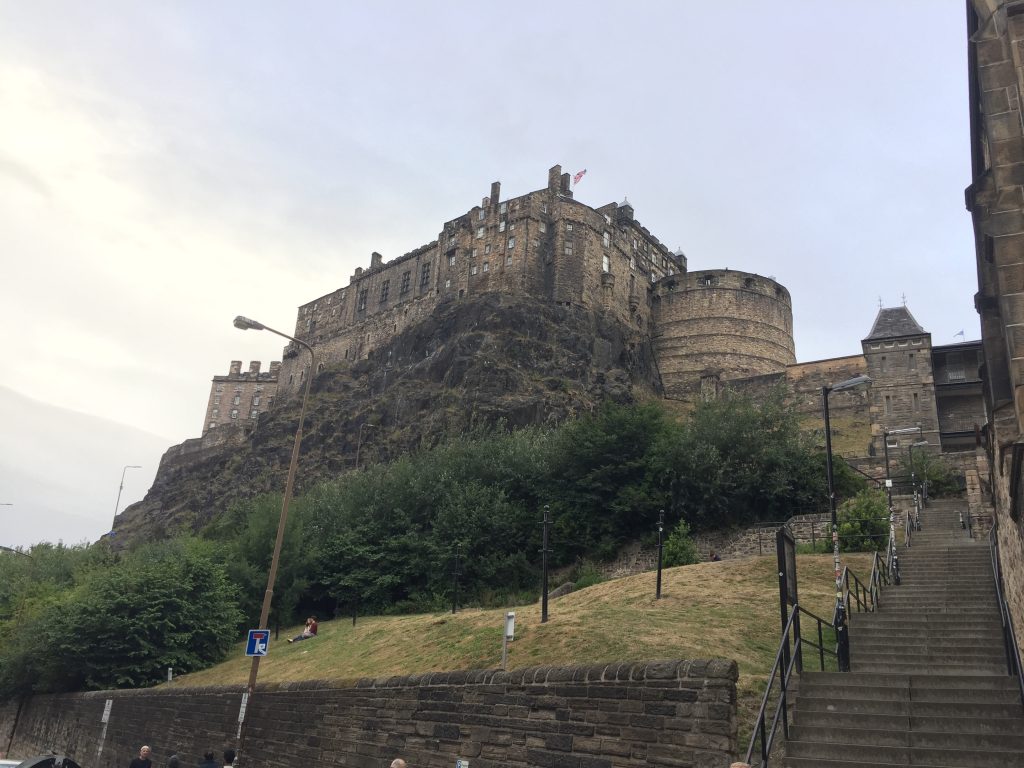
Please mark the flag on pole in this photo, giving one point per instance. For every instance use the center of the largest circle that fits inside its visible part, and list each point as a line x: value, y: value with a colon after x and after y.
x: 578, y: 176
x: 959, y: 333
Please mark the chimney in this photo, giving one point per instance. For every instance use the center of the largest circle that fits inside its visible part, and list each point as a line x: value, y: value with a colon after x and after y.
x: 236, y: 368
x: 566, y: 188
x: 495, y: 192
x: 275, y: 366
x: 254, y: 368
x: 485, y: 203
x: 359, y: 273
x: 553, y: 173
x: 376, y: 260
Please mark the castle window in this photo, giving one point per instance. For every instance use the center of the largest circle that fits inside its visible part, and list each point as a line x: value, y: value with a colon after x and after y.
x: 888, y: 405
x: 543, y: 207
x: 404, y: 289
x: 216, y: 412
x: 607, y: 219
x: 237, y: 400
x: 568, y: 248
x: 447, y: 283
x: 385, y: 289
x: 216, y: 401
x: 634, y: 243
x: 213, y: 424
x: 451, y: 260
x: 568, y: 226
x: 883, y: 364
x: 473, y: 270
x: 219, y: 388
x: 917, y: 403
x: 708, y: 280
x: 487, y: 249
x: 632, y: 263
x: 480, y: 215
x: 508, y: 259
x: 606, y: 263
x: 362, y: 299
x: 472, y: 255
x: 512, y: 227
x: 425, y: 275
x: 451, y: 240
x: 912, y: 362
x: 256, y: 400
x: 606, y: 239
x: 503, y: 207
x: 501, y: 225
x: 511, y: 243
x: 543, y: 226
x: 487, y: 267
x: 479, y: 233
x: 234, y: 413
x: 254, y: 414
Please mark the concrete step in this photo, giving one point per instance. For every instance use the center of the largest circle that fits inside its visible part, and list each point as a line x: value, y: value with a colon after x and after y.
x: 875, y: 755
x: 897, y: 668
x: 1007, y: 707
x: 888, y: 737
x: 929, y: 646
x: 995, y: 720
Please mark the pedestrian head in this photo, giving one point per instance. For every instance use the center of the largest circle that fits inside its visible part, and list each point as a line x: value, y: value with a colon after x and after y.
x: 208, y: 756
x: 398, y: 763
x: 145, y: 752
x: 229, y: 756
x: 173, y: 761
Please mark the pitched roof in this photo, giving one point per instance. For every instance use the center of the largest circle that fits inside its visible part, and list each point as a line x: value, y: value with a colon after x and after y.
x: 893, y: 322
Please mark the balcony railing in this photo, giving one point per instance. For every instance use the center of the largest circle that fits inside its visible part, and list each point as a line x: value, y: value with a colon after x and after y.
x: 947, y: 426
x: 955, y: 376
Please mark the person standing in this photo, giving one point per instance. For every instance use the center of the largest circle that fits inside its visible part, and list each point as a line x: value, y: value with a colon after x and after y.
x: 209, y: 761
x: 229, y: 758
x: 143, y: 760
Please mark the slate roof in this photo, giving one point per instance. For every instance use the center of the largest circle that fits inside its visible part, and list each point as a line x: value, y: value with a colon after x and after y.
x: 894, y: 322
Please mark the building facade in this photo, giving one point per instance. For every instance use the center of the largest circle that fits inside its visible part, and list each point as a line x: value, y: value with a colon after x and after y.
x: 241, y: 396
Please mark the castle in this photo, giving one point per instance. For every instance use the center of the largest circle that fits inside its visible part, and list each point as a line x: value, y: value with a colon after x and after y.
x: 708, y: 329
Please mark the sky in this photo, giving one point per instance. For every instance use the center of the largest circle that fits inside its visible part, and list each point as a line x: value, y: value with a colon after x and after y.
x: 165, y: 167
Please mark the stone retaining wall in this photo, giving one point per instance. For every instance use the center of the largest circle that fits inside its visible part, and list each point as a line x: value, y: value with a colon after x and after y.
x: 655, y: 713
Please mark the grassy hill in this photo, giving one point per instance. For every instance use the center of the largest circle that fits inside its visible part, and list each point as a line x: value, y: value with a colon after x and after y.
x: 726, y: 609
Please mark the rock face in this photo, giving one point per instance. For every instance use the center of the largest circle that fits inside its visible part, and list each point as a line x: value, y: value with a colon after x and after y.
x: 493, y: 358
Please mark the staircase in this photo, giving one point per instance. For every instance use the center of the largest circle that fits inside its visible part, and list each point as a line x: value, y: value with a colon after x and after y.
x: 928, y: 684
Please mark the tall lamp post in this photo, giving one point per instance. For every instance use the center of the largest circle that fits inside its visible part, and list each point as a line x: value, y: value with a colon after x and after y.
x: 885, y: 442
x: 246, y: 324
x: 842, y: 636
x: 121, y: 488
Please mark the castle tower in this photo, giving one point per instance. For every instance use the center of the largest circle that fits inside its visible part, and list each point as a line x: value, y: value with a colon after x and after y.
x: 719, y: 325
x: 898, y: 352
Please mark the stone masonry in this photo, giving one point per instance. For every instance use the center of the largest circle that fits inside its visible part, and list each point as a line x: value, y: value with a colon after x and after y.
x: 240, y: 397
x: 654, y: 713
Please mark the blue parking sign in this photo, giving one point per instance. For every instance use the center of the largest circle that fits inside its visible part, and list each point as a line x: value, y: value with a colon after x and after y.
x: 259, y: 640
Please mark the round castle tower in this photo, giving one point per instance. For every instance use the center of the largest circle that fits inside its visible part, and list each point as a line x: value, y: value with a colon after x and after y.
x: 720, y: 325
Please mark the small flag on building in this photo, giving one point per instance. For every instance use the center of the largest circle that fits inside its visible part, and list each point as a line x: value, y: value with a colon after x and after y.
x: 578, y: 176
x: 959, y: 333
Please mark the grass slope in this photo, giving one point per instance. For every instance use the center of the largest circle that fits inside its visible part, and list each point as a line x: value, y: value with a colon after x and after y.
x: 726, y: 609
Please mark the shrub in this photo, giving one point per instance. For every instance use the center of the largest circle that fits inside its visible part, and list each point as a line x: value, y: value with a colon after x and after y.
x: 679, y: 547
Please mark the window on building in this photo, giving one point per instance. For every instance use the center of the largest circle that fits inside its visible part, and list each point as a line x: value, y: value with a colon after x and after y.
x: 237, y: 400
x: 912, y: 362
x: 632, y: 263
x: 883, y: 364
x: 385, y: 289
x: 254, y: 413
x: 607, y: 219
x: 501, y: 225
x: 543, y: 207
x: 606, y: 263
x: 511, y: 243
x: 917, y: 403
x: 473, y: 270
x: 568, y: 226
x: 508, y: 259
x: 503, y: 207
x: 487, y: 249
x: 219, y: 388
x: 256, y: 400
x: 888, y: 405
x: 473, y: 254
x: 405, y: 282
x: 451, y: 241
x: 234, y: 413
x: 543, y: 226
x: 480, y: 215
x: 479, y: 233
x: 216, y: 413
x: 216, y: 400
x: 606, y: 239
x: 425, y: 275
x: 448, y: 283
x: 451, y: 260
x: 487, y: 267
x: 512, y: 227
x: 213, y: 424
x: 362, y: 299
x: 567, y: 248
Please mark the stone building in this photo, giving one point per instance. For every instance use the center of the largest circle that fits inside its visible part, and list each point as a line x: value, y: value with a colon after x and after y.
x: 241, y: 396
x: 995, y: 199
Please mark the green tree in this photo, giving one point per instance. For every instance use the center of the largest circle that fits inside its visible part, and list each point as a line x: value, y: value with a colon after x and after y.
x: 863, y: 522
x: 942, y: 481
x: 679, y: 548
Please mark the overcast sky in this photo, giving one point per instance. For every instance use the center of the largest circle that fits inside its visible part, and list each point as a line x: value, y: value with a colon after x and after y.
x: 164, y: 167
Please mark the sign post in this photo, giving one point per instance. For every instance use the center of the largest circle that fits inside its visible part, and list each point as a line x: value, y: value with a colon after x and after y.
x: 509, y: 634
x: 258, y: 642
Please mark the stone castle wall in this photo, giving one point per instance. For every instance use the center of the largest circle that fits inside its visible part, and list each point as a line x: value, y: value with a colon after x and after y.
x: 722, y: 324
x: 240, y: 396
x: 657, y: 713
x: 543, y: 244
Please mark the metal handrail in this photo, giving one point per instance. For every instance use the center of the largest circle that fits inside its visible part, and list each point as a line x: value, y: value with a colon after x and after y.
x: 1014, y: 666
x: 787, y: 659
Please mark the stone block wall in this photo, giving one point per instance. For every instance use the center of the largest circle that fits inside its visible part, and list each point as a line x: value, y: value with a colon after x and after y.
x: 655, y: 713
x: 241, y: 396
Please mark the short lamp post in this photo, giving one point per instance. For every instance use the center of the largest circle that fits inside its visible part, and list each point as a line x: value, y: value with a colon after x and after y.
x: 120, y: 488
x: 661, y: 529
x: 842, y: 635
x: 246, y: 324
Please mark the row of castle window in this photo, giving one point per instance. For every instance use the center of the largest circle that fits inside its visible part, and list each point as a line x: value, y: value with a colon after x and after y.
x: 237, y: 400
x: 234, y: 414
x: 883, y: 363
x: 915, y: 405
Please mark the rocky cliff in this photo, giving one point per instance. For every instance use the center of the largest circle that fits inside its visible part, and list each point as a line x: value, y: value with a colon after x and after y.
x: 487, y: 360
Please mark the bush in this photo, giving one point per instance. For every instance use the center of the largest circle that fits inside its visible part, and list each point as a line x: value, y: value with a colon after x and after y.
x: 679, y: 547
x: 587, y: 575
x: 863, y: 522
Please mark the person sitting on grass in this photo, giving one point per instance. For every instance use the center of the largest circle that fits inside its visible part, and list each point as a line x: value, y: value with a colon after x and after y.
x: 308, y: 632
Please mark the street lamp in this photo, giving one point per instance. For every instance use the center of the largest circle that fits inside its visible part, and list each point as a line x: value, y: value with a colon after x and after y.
x: 661, y: 528
x: 121, y: 488
x: 885, y: 441
x: 842, y: 636
x: 246, y: 324
x: 359, y: 442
